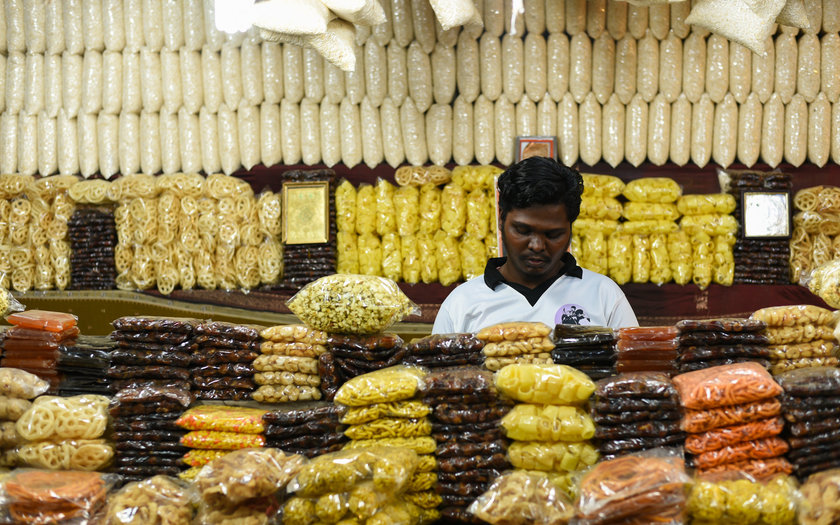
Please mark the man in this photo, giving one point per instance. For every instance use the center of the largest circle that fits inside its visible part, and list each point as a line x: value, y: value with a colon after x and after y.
x: 538, y: 280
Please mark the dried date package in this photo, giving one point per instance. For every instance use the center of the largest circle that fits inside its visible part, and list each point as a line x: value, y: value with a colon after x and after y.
x: 378, y: 342
x: 589, y: 356
x: 446, y: 344
x: 710, y: 363
x: 637, y: 384
x: 606, y: 405
x: 657, y: 429
x: 716, y: 338
x: 467, y: 449
x: 275, y: 432
x: 702, y: 353
x: 155, y: 324
x: 633, y: 416
x: 453, y: 381
x: 454, y: 414
x: 583, y: 335
x: 625, y: 445
x: 648, y: 333
x: 806, y: 382
x: 723, y: 324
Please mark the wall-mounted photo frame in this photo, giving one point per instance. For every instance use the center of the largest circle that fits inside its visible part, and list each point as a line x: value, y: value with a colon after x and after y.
x: 766, y: 214
x: 306, y: 217
x: 536, y: 146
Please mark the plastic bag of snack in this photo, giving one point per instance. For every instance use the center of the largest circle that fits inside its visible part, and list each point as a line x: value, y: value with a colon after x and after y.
x: 212, y: 439
x: 557, y: 457
x: 601, y: 185
x: 401, y: 409
x: 520, y: 498
x: 711, y: 418
x: 652, y: 189
x: 548, y: 384
x: 548, y: 423
x: 154, y: 501
x: 39, y: 496
x: 43, y: 320
x: 395, y: 383
x: 795, y: 315
x: 703, y: 204
x: 738, y: 498
x: 78, y: 417
x: 726, y: 385
x: 347, y: 303
x: 20, y: 384
x: 223, y: 418
x: 636, y: 384
x: 247, y: 474
x: 72, y: 454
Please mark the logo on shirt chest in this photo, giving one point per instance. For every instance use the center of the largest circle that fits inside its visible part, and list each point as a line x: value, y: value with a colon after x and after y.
x: 572, y: 314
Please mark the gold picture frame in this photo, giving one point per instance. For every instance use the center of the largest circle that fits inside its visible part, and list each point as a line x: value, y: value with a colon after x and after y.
x: 306, y: 217
x: 766, y: 214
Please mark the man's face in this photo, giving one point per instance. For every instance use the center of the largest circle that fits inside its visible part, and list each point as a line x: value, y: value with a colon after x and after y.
x: 535, y: 240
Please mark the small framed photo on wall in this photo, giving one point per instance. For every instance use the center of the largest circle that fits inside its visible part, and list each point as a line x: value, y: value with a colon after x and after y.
x: 306, y: 218
x: 537, y: 146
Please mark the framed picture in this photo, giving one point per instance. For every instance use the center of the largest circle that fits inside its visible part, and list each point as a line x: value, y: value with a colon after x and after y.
x: 766, y: 214
x: 306, y: 218
x: 536, y: 147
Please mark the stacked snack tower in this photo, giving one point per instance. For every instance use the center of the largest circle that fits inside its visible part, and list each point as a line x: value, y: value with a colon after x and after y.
x: 732, y: 417
x: 383, y: 410
x: 444, y: 350
x: 550, y: 428
x: 647, y: 349
x: 471, y: 448
x: 93, y: 235
x: 711, y: 229
x: 309, y: 432
x: 17, y: 388
x: 516, y: 342
x: 65, y: 433
x: 724, y: 341
x: 811, y: 405
x: 293, y: 341
x: 354, y: 355
x: 217, y: 421
x: 636, y: 411
x: 590, y: 349
x: 220, y: 340
x: 83, y: 365
x: 799, y: 336
x: 598, y: 219
x: 33, y: 343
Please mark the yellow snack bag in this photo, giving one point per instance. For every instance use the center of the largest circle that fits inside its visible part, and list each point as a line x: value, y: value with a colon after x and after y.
x: 641, y: 258
x: 601, y: 185
x: 473, y: 256
x: 646, y: 211
x: 660, y: 264
x: 345, y: 207
x: 647, y: 227
x: 620, y: 260
x: 594, y: 246
x: 584, y: 225
x: 370, y: 254
x: 386, y: 215
x: 548, y: 423
x: 448, y: 258
x: 712, y: 224
x: 427, y: 253
x: 600, y: 208
x: 702, y: 259
x: 395, y: 383
x: 391, y: 257
x: 453, y: 216
x: 430, y: 207
x: 478, y: 214
x: 544, y: 384
x: 407, y: 207
x: 652, y: 189
x: 410, y: 259
x: 223, y: 418
x: 679, y: 256
x: 365, y: 209
x: 724, y: 260
x: 703, y: 204
x: 347, y: 260
x: 556, y: 457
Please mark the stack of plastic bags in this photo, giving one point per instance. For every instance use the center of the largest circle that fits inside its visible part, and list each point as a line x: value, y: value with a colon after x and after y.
x: 307, y: 431
x: 212, y: 424
x: 147, y: 440
x: 33, y: 343
x: 811, y: 406
x: 550, y: 429
x: 65, y: 433
x: 598, y: 220
x: 647, y: 349
x: 222, y: 360
x: 651, y: 215
x: 83, y: 365
x: 636, y: 411
x: 738, y: 498
x: 93, y: 236
x: 17, y: 387
x: 443, y: 350
x: 814, y: 506
x: 359, y: 485
x: 154, y: 501
x: 515, y: 342
x: 292, y: 352
x: 383, y: 409
x: 645, y: 487
x: 39, y: 496
x: 590, y: 349
x: 732, y: 419
x: 354, y: 355
x: 239, y: 487
x: 711, y: 229
x: 520, y: 497
x: 471, y: 448
x: 723, y: 341
x: 799, y: 336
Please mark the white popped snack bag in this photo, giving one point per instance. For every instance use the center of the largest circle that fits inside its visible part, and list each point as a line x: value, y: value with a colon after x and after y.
x: 112, y: 77
x: 173, y: 24
x: 108, y: 142
x: 132, y: 98
x: 228, y: 140
x: 191, y: 81
x: 27, y: 144
x: 170, y: 142
x: 67, y: 144
x: 310, y: 132
x: 88, y: 140
x: 113, y: 24
x: 53, y: 28
x: 248, y: 122
x: 150, y: 80
x: 34, y: 90
x: 129, y: 143
x: 209, y: 130
x: 170, y: 68
x: 8, y: 146
x: 150, y: 159
x: 211, y: 75
x: 189, y: 135
x: 271, y: 151
x: 47, y: 144
x: 34, y: 20
x: 73, y: 32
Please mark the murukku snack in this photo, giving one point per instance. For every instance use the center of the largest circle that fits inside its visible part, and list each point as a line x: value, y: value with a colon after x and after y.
x: 246, y: 474
x: 707, y: 419
x: 520, y: 497
x: 726, y: 385
x: 153, y: 501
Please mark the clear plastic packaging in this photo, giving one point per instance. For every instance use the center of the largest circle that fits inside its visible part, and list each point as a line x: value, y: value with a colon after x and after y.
x: 247, y: 474
x: 726, y: 385
x: 704, y: 420
x: 78, y: 417
x: 565, y: 334
x: 535, y: 383
x: 703, y: 204
x: 796, y: 315
x: 223, y: 418
x: 636, y: 384
x: 513, y: 331
x: 652, y: 189
x: 82, y: 454
x: 764, y: 448
x: 723, y: 324
x: 712, y: 352
x: 556, y: 457
x: 153, y: 501
x: 806, y: 382
x: 743, y: 500
x: 548, y: 423
x: 17, y: 383
x: 37, y: 496
x: 519, y: 498
x: 759, y: 469
x: 212, y: 439
x: 648, y: 333
x: 717, y: 338
x: 629, y: 346
x: 457, y: 380
x: 446, y: 344
x: 602, y: 185
x: 390, y: 384
x: 43, y: 320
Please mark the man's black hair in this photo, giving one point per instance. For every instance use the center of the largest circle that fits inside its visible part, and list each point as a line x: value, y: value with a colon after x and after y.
x: 537, y: 181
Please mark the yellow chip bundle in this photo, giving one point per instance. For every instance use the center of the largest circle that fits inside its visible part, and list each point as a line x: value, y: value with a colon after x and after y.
x: 604, y: 208
x: 548, y: 423
x: 536, y: 383
x: 395, y: 383
x: 601, y: 185
x: 390, y: 428
x: 367, y: 413
x: 645, y: 211
x: 223, y: 418
x: 704, y: 204
x: 557, y: 457
x: 652, y: 189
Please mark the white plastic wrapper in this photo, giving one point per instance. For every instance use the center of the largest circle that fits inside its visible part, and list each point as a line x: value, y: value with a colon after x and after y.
x: 113, y: 25
x: 616, y: 19
x: 366, y: 13
x: 835, y: 137
x: 443, y: 74
x: 808, y: 74
x: 659, y: 20
x: 150, y: 80
x: 796, y: 130
x: 401, y: 22
x: 191, y: 82
x: 680, y: 150
x: 505, y: 134
x: 170, y: 67
x: 526, y: 117
x: 749, y: 130
x: 350, y: 123
x: 439, y: 133
x: 231, y: 75
x: 626, y: 65
x: 467, y: 69
x: 92, y: 25
x: 228, y: 139
x: 670, y: 67
x: 133, y: 24
x: 213, y: 37
x: 773, y: 131
x: 112, y: 77
x: 815, y: 16
x: 636, y: 130
x: 463, y: 150
x: 153, y: 24
x: 612, y: 131
x: 53, y: 28
x: 271, y: 55
x: 392, y: 139
x: 173, y: 24
x: 555, y: 16
x: 290, y: 131
x: 88, y: 141
x: 397, y: 75
x: 251, y: 66
x: 490, y: 58
x: 189, y: 140
x: 27, y: 149
x: 132, y: 98
x: 637, y: 20
x: 108, y: 141
x: 819, y: 120
x: 47, y: 144
x: 534, y: 16
x: 372, y: 149
x: 271, y: 151
x: 575, y: 16
x: 590, y: 126
x: 740, y: 71
x: 702, y: 130
x: 293, y: 17
x: 659, y: 129
x: 334, y: 83
x: 494, y: 17
x: 211, y: 75
x: 15, y: 27
x: 679, y: 12
x: 547, y: 117
x: 419, y: 68
x: 313, y: 75
x: 764, y: 71
x: 567, y: 129
x: 449, y: 37
x: 310, y: 131
x: 331, y: 133
x: 3, y: 81
x: 694, y: 67
x: 484, y: 116
x: 67, y: 144
x: 193, y: 24
x: 786, y: 66
x: 413, y: 133
x: 209, y: 130
x: 558, y: 65
x: 129, y: 143
x: 830, y: 17
x: 423, y: 18
x: 293, y: 73
x: 34, y: 20
x: 16, y: 82
x: 9, y: 144
x: 248, y: 121
x: 92, y: 82
x: 647, y: 72
x: 513, y: 69
x: 580, y: 73
x: 830, y: 66
x: 73, y: 32
x: 150, y: 159
x: 603, y: 67
x: 34, y: 90
x: 383, y: 33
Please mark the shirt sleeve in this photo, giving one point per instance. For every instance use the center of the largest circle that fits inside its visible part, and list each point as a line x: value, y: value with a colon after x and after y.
x: 443, y: 321
x: 622, y: 315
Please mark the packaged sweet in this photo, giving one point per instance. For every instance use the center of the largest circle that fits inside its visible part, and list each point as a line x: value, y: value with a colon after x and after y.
x: 715, y: 439
x: 390, y: 428
x: 43, y: 320
x: 376, y: 342
x: 223, y: 418
x: 212, y: 439
x: 151, y: 393
x: 636, y: 384
x: 711, y: 352
x: 795, y: 315
x: 420, y: 445
x: 533, y: 345
x: 312, y: 428
x: 389, y: 384
x: 40, y: 497
x: 457, y: 380
x: 583, y: 335
x: 513, y: 331
x: 632, y: 416
x: 72, y: 454
x: 536, y: 383
x: 246, y: 474
x: 17, y: 332
x: 347, y: 303
x: 708, y: 363
x: 548, y: 423
x: 155, y: 324
x: 760, y: 469
x: 574, y: 357
x: 298, y: 416
x: 623, y: 404
x: 615, y: 447
x: 811, y: 381
x: 8, y: 303
x: 454, y: 414
x: 601, y: 185
x: 155, y: 501
x: 79, y: 417
x: 446, y: 344
x: 703, y: 204
x: 763, y: 448
x: 12, y: 408
x: 395, y: 409
x: 724, y: 324
x: 799, y: 334
x: 519, y: 497
x: 726, y: 385
x: 648, y: 333
x: 558, y: 457
x: 743, y: 500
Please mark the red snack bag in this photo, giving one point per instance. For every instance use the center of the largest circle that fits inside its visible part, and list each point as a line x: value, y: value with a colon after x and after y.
x: 43, y: 320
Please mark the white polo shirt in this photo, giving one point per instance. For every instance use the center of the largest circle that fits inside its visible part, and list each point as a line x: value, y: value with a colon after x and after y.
x: 578, y: 296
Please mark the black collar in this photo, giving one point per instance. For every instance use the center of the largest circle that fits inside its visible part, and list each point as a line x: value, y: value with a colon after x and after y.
x: 493, y: 277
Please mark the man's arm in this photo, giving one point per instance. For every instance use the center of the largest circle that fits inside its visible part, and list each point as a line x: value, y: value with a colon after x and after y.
x: 443, y: 321
x: 622, y: 315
